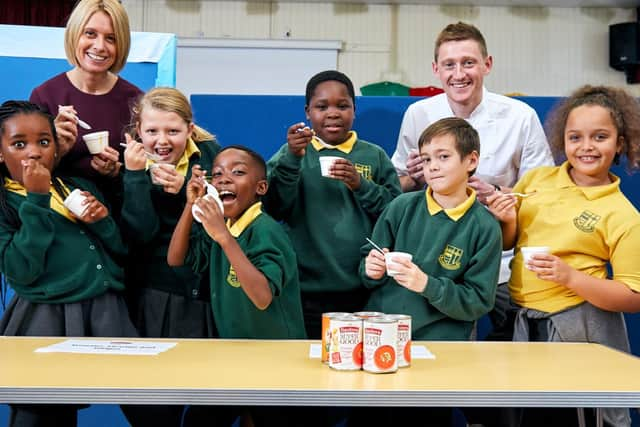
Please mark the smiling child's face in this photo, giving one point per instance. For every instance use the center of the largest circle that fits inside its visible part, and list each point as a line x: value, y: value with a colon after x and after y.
x: 24, y: 137
x: 591, y: 142
x: 164, y: 133
x: 239, y: 181
x: 331, y: 112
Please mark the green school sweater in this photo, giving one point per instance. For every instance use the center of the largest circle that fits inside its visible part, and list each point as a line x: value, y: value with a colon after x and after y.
x: 461, y: 258
x: 269, y: 249
x: 149, y: 216
x: 50, y: 259
x: 326, y: 221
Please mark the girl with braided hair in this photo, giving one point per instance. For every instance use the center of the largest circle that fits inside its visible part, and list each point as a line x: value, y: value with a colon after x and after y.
x: 61, y: 266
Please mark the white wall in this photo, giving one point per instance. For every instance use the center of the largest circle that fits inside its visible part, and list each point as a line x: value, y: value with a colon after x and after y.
x: 538, y: 51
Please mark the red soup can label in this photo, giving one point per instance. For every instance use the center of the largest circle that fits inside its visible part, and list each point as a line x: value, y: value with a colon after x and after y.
x: 404, y: 339
x: 326, y: 333
x: 380, y: 345
x: 345, y: 347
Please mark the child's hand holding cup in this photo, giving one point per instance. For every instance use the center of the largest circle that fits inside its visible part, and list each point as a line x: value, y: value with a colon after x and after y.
x: 325, y: 164
x: 75, y: 202
x: 529, y: 251
x: 391, y: 259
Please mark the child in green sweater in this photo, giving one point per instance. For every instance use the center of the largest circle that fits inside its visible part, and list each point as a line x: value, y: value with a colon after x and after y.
x: 253, y: 275
x: 60, y: 265
x: 165, y: 302
x: 455, y: 242
x: 328, y: 217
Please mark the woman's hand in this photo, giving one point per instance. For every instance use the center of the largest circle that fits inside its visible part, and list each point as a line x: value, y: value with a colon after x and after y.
x: 106, y: 163
x: 66, y: 123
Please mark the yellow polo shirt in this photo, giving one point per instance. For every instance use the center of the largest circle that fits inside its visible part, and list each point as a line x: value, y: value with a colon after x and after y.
x: 585, y: 226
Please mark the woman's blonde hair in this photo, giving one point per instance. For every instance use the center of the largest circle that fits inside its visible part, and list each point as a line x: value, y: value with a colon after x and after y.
x: 169, y: 100
x: 81, y: 14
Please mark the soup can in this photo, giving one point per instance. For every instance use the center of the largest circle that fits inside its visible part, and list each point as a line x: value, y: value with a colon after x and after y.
x: 345, y: 349
x: 380, y: 345
x: 404, y: 339
x: 368, y: 314
x: 326, y: 333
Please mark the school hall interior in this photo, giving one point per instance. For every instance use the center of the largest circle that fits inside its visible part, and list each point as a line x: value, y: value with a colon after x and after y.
x: 542, y: 50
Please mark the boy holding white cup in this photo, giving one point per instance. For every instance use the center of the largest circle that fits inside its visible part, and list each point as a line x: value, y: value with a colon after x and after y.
x: 456, y: 243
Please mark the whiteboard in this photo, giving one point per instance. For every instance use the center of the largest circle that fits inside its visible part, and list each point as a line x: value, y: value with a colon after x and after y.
x: 251, y: 67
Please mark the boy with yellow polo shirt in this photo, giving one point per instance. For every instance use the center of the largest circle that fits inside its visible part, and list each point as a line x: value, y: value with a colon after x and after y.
x: 329, y: 217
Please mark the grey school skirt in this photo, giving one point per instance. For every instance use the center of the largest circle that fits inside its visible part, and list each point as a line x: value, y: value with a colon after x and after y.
x: 103, y: 316
x: 160, y: 314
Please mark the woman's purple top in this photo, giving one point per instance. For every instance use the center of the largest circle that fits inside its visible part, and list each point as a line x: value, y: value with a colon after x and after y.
x: 110, y: 111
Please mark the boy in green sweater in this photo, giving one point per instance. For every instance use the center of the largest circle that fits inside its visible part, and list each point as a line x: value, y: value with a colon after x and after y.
x: 252, y: 265
x: 328, y: 217
x: 455, y: 242
x: 456, y: 245
x: 253, y: 276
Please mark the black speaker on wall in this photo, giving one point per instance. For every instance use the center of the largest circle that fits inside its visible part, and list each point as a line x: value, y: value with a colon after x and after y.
x: 624, y: 46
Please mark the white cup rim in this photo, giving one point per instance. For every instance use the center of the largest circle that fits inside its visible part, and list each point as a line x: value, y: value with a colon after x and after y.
x: 535, y: 249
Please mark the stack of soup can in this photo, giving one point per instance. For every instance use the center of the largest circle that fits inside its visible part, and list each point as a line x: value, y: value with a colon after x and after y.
x: 372, y: 341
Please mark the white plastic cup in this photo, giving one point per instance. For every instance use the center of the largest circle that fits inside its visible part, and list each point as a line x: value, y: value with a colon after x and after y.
x: 157, y: 165
x: 96, y: 141
x: 212, y: 193
x: 528, y: 251
x: 73, y: 202
x: 326, y: 162
x: 391, y: 265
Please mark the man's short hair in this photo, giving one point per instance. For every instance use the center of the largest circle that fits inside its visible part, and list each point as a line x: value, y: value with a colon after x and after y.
x: 459, y: 32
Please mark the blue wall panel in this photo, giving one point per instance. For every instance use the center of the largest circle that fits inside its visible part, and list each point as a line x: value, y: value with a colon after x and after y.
x: 21, y: 75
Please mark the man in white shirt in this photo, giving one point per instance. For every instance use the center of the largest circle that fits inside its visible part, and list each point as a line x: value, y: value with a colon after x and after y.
x: 512, y: 140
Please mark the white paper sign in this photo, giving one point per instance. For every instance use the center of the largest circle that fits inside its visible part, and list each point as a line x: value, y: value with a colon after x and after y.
x: 417, y: 352
x: 119, y: 347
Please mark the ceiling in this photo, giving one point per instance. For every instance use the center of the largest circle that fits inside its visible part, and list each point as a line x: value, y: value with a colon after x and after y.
x: 509, y: 3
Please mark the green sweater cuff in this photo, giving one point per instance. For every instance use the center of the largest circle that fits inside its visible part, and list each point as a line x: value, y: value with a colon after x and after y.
x: 365, y: 188
x: 433, y: 289
x: 41, y: 200
x: 290, y: 160
x: 135, y: 176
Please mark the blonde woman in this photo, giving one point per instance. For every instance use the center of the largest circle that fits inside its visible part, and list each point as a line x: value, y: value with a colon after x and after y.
x: 97, y: 40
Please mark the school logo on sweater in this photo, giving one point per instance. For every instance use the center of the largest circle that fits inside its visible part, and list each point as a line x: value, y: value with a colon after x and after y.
x: 232, y: 278
x: 586, y: 221
x: 364, y: 170
x: 450, y: 257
